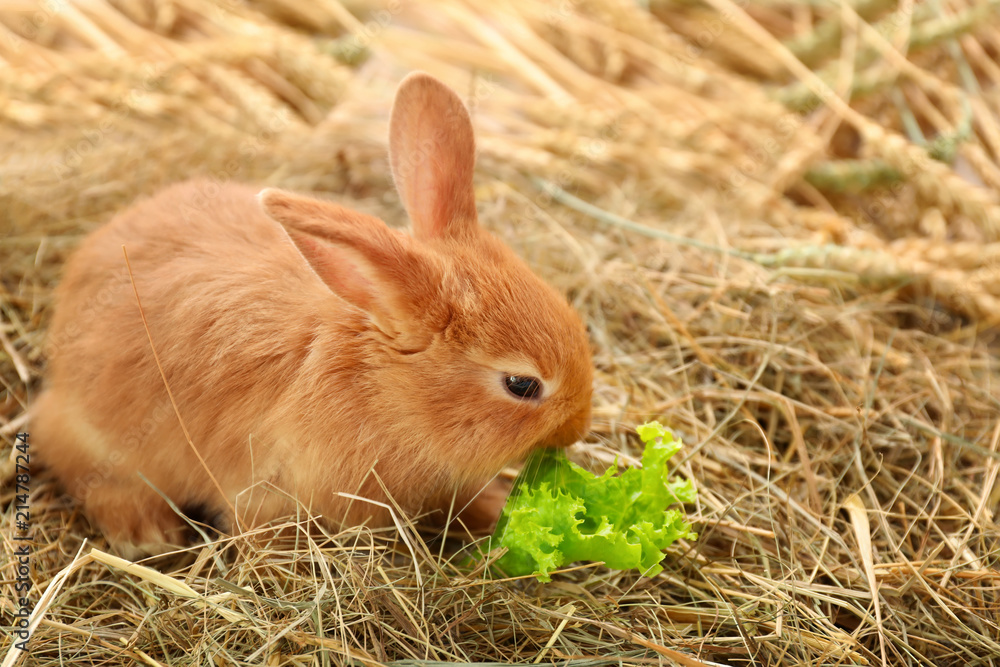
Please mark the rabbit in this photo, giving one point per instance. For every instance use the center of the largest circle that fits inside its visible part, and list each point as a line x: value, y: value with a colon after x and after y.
x: 267, y: 349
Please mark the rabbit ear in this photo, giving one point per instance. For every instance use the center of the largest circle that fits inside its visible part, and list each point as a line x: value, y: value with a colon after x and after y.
x: 376, y: 269
x: 433, y: 152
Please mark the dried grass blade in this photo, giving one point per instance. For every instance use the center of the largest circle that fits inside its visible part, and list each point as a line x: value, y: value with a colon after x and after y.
x: 303, y: 639
x: 15, y: 358
x: 677, y: 656
x: 567, y: 609
x: 862, y: 532
x: 165, y: 582
x: 399, y: 527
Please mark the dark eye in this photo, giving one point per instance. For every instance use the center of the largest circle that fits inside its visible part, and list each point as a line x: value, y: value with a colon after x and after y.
x: 522, y: 386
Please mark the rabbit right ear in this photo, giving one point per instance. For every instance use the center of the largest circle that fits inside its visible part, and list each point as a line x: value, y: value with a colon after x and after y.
x: 432, y: 150
x: 377, y: 269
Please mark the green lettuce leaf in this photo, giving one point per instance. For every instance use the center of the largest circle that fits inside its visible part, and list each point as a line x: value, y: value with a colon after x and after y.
x: 558, y: 512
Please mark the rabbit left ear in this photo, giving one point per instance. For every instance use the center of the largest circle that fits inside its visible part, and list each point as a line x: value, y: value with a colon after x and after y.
x: 361, y: 260
x: 432, y: 150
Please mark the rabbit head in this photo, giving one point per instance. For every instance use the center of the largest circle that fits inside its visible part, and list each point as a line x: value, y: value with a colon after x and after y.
x: 477, y: 356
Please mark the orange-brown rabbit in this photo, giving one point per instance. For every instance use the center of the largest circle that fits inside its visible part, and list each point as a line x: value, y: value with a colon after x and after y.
x: 311, y: 350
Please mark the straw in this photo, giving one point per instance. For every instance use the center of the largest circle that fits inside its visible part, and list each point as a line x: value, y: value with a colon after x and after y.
x: 741, y: 201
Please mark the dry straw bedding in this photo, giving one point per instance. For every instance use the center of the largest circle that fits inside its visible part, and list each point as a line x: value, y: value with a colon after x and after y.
x: 791, y: 255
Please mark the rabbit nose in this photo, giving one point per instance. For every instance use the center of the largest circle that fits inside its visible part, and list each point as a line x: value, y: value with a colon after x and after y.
x: 570, y: 431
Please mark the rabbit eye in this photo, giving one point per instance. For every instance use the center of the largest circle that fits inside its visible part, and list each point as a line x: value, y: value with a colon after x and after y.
x: 522, y: 386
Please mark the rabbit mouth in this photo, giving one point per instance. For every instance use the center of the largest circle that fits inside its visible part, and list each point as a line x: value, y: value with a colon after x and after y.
x: 570, y: 432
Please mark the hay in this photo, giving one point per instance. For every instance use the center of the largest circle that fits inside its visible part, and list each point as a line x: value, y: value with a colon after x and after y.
x: 797, y: 287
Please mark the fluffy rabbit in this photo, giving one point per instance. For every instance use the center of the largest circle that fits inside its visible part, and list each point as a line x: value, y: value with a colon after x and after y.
x: 311, y: 351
